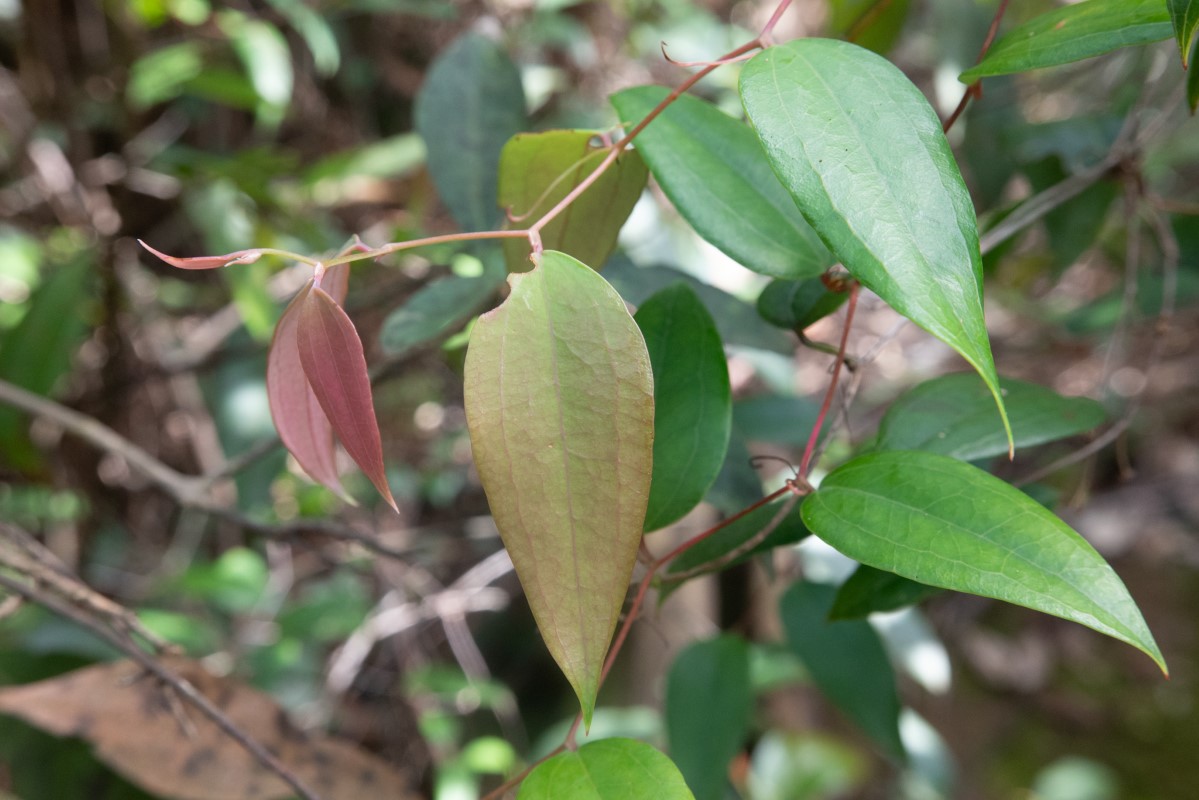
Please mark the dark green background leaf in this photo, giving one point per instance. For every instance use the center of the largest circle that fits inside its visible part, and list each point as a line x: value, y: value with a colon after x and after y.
x: 847, y: 663
x: 869, y: 590
x: 470, y: 104
x: 692, y: 402
x: 708, y: 706
x: 795, y: 305
x: 945, y: 523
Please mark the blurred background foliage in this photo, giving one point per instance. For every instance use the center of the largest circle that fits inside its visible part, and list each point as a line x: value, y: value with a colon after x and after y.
x: 205, y: 128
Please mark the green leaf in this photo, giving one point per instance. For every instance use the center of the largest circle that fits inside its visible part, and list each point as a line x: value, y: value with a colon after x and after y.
x: 953, y: 415
x: 539, y: 169
x: 864, y: 157
x: 869, y: 590
x: 559, y: 404
x: 1072, y: 33
x: 1075, y: 226
x: 692, y: 402
x: 38, y: 351
x: 847, y: 663
x: 712, y: 169
x: 945, y: 523
x: 470, y: 104
x: 874, y: 25
x: 738, y: 323
x: 795, y: 305
x: 1193, y: 87
x: 438, y: 309
x: 709, y: 681
x: 775, y: 418
x: 610, y: 769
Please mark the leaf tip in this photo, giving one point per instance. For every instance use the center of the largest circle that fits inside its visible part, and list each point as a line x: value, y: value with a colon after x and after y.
x: 205, y: 262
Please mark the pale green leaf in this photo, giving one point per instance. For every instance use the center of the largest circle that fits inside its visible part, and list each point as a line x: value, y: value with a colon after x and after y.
x: 713, y: 170
x: 1072, y: 33
x: 610, y: 769
x: 470, y: 104
x: 863, y: 155
x: 942, y: 522
x: 539, y: 169
x: 692, y: 401
x: 559, y: 403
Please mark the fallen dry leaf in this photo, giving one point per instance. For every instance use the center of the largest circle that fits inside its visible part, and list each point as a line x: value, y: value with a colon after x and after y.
x: 133, y: 727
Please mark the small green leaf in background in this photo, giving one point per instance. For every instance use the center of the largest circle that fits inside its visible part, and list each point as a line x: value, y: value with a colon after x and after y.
x: 790, y: 766
x: 440, y: 307
x: 1184, y: 15
x: 315, y: 31
x: 874, y: 25
x: 1072, y: 33
x: 560, y: 408
x: 263, y: 52
x: 470, y: 104
x: 738, y: 323
x: 869, y: 590
x: 795, y: 305
x: 610, y: 769
x: 539, y: 169
x: 953, y: 415
x: 862, y: 153
x: 847, y: 663
x: 1073, y: 227
x: 708, y: 705
x: 940, y: 521
x: 38, y: 350
x: 777, y: 418
x: 713, y: 170
x: 692, y: 402
x: 163, y: 74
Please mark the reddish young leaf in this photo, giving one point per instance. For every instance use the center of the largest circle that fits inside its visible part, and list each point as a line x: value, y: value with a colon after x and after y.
x: 332, y: 359
x: 299, y: 418
x: 207, y: 262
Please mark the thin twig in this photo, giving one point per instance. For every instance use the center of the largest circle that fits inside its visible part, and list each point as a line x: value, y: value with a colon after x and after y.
x: 805, y: 464
x: 182, y: 686
x: 975, y: 89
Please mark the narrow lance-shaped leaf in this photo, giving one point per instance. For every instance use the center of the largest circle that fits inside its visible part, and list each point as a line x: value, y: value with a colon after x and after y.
x: 1072, y: 33
x: 206, y: 262
x: 332, y: 358
x: 299, y: 418
x: 610, y: 769
x: 539, y: 169
x: 1184, y: 14
x: 863, y: 155
x: 945, y: 523
x: 713, y: 170
x: 559, y: 403
x: 692, y: 399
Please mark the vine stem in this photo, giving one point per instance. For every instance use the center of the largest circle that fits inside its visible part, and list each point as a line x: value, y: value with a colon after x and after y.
x: 976, y: 89
x: 805, y: 466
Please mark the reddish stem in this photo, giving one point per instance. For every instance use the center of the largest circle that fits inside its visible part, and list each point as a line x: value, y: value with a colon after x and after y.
x: 975, y: 89
x: 805, y: 466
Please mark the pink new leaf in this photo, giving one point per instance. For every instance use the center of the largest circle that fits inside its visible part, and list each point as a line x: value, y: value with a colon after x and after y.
x: 207, y: 262
x: 332, y: 359
x: 299, y: 418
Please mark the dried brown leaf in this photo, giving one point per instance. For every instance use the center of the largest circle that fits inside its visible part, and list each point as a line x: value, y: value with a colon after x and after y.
x: 127, y: 717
